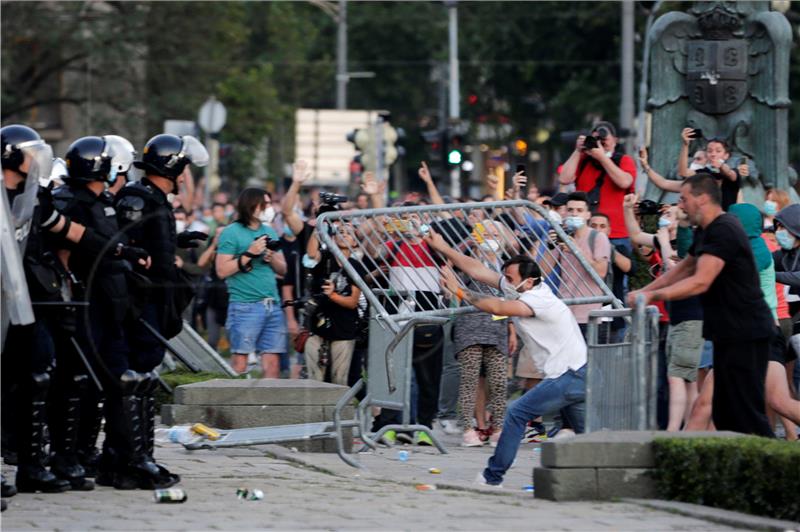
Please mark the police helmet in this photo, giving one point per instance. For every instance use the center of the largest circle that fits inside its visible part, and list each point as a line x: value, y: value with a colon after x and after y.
x: 88, y: 159
x: 13, y: 139
x: 167, y: 155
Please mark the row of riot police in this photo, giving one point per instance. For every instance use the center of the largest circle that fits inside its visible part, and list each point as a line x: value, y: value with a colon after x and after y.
x: 90, y: 292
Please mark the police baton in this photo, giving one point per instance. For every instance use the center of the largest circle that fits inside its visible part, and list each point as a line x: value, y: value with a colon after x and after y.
x: 86, y: 363
x: 163, y: 341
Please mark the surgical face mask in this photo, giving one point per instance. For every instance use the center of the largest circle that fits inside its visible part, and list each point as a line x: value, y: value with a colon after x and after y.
x: 357, y: 254
x: 573, y: 223
x: 696, y: 166
x: 492, y: 246
x: 555, y: 218
x: 785, y: 239
x: 664, y: 222
x: 519, y: 289
x: 180, y: 226
x: 267, y: 215
x: 770, y: 208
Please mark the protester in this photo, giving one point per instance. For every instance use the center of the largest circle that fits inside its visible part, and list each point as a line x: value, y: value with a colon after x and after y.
x: 622, y: 267
x: 721, y: 267
x: 542, y: 320
x: 718, y: 153
x: 216, y: 292
x: 247, y: 260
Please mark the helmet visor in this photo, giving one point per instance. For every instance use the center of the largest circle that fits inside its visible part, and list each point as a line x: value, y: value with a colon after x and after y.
x: 39, y: 157
x: 57, y: 173
x: 122, y: 153
x: 194, y: 150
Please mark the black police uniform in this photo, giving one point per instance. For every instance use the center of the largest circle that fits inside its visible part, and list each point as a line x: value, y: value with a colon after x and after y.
x: 99, y: 332
x: 28, y: 356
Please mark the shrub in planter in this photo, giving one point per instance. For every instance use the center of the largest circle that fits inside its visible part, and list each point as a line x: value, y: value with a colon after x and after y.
x: 748, y: 474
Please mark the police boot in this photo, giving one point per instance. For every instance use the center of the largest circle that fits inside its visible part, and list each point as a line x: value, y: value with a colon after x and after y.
x: 148, y: 402
x: 32, y: 476
x: 64, y: 425
x: 91, y: 420
x: 126, y: 458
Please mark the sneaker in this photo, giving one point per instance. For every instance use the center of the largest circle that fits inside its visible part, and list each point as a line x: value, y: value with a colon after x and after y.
x: 404, y: 437
x: 422, y: 438
x: 389, y: 438
x: 471, y: 439
x: 494, y: 438
x: 564, y: 434
x: 449, y: 426
x: 480, y: 480
x: 535, y: 432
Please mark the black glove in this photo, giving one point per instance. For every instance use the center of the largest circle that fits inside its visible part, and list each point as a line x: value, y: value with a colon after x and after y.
x: 187, y: 239
x: 133, y: 254
x: 48, y: 215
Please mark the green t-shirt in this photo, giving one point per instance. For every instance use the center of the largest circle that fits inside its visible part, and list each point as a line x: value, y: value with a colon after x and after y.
x: 257, y: 284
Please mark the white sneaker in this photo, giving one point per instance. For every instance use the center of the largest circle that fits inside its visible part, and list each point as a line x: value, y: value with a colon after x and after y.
x: 564, y: 434
x: 480, y: 480
x: 449, y: 426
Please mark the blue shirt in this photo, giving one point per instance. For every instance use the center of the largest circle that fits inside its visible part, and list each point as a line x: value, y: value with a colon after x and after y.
x: 257, y: 284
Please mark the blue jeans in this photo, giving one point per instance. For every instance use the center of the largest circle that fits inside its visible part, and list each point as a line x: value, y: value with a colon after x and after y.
x: 258, y: 327
x: 566, y: 393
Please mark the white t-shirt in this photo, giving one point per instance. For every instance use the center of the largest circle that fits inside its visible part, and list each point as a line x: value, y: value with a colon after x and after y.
x: 552, y: 334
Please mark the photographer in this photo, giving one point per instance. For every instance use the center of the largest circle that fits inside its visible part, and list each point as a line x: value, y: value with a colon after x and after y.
x: 332, y: 313
x: 718, y: 154
x: 600, y: 169
x: 247, y: 258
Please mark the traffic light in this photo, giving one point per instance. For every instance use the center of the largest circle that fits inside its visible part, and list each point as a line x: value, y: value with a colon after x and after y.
x: 366, y: 141
x: 455, y: 151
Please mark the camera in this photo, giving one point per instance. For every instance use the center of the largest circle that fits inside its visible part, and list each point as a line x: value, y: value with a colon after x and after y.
x: 272, y: 245
x: 590, y: 142
x: 646, y: 207
x: 329, y: 198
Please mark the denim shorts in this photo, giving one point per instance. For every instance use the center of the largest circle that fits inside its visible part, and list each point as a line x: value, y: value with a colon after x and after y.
x: 258, y: 327
x: 707, y: 358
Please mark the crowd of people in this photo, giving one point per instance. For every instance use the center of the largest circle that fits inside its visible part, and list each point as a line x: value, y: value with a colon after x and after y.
x: 253, y: 275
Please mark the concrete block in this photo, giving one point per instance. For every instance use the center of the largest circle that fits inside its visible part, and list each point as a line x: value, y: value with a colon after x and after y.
x: 565, y: 484
x: 259, y: 392
x: 616, y: 449
x: 615, y: 483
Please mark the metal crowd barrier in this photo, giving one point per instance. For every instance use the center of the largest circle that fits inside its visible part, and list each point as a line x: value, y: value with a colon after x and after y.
x: 622, y: 378
x: 401, y: 284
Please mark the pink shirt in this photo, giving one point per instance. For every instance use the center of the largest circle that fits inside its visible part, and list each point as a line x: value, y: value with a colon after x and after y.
x: 576, y: 281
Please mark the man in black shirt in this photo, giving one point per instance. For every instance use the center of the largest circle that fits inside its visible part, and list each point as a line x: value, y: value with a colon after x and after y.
x: 721, y: 269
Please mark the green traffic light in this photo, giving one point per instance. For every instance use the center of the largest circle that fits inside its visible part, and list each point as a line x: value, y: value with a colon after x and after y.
x: 454, y: 157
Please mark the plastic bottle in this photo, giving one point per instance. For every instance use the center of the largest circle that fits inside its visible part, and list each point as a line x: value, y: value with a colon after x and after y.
x: 177, y: 434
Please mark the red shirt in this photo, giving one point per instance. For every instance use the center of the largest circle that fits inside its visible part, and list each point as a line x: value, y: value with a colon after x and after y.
x: 611, y: 195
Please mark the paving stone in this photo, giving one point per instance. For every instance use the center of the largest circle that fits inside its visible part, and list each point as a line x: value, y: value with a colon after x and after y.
x: 565, y: 484
x: 259, y: 392
x: 615, y: 483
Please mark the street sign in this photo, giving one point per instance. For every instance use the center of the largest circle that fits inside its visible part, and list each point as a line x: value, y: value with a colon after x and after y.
x: 212, y: 116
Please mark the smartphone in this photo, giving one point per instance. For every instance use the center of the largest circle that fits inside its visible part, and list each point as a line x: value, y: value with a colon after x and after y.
x: 696, y: 134
x: 521, y: 168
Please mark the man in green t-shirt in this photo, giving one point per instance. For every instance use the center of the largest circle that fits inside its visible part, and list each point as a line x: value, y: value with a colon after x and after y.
x: 246, y: 259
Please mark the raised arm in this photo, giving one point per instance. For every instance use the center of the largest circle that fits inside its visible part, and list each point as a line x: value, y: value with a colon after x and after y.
x: 657, y: 179
x: 570, y: 168
x: 637, y: 236
x: 373, y: 189
x: 683, y: 158
x: 425, y: 175
x: 300, y: 174
x: 470, y: 266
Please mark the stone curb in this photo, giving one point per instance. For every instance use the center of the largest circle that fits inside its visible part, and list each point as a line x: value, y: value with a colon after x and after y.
x: 718, y: 515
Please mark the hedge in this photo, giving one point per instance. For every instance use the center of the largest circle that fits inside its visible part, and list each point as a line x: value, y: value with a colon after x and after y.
x: 749, y: 474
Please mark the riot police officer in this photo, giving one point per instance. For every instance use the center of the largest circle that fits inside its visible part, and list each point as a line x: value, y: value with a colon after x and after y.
x: 28, y: 348
x: 144, y: 213
x: 102, y: 283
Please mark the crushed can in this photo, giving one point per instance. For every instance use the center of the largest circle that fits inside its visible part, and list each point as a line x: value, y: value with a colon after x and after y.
x: 249, y: 495
x: 434, y: 471
x: 402, y: 456
x: 171, y: 495
x: 425, y: 487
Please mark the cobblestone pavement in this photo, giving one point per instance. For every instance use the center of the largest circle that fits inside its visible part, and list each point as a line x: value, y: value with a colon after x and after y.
x: 318, y: 491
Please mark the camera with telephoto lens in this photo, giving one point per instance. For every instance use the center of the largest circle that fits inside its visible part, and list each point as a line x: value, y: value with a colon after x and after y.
x: 646, y: 207
x: 329, y: 198
x: 590, y: 142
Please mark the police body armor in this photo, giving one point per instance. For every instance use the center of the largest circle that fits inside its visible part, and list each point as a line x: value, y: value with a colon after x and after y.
x: 103, y: 278
x: 145, y: 215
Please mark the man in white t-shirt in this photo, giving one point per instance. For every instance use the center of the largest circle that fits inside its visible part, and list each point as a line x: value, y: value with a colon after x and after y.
x: 544, y: 322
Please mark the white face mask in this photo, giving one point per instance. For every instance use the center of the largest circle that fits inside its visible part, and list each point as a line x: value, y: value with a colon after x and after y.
x: 696, y: 166
x: 180, y: 226
x: 492, y: 246
x: 267, y: 215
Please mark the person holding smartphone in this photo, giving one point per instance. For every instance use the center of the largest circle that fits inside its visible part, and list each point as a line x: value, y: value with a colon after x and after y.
x: 718, y: 154
x: 248, y: 261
